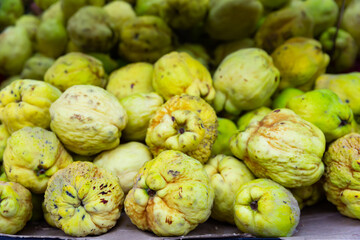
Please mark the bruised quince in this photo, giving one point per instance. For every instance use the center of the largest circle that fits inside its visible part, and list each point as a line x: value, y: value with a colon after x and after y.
x: 342, y: 181
x: 83, y: 199
x: 227, y: 174
x: 184, y: 123
x: 15, y: 207
x: 282, y: 147
x: 26, y: 103
x: 91, y: 128
x: 171, y: 195
x: 32, y: 155
x: 177, y: 73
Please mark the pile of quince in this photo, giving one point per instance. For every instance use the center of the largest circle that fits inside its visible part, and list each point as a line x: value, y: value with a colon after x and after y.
x: 176, y: 111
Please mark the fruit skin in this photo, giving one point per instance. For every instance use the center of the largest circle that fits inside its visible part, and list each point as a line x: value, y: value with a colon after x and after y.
x: 15, y: 207
x: 130, y: 79
x: 282, y: 147
x: 274, y: 4
x: 244, y: 80
x: 94, y: 127
x: 70, y: 7
x: 181, y: 14
x: 4, y: 135
x: 51, y: 38
x: 224, y: 49
x: 79, y: 197
x: 108, y: 63
x: 30, y: 23
x: 148, y: 7
x: 54, y: 11
x: 282, y: 25
x: 75, y: 69
x: 284, y: 96
x: 227, y: 174
x: 45, y: 4
x: 92, y: 30
x: 171, y: 195
x: 346, y: 86
x: 253, y: 116
x: 119, y: 12
x: 124, y: 161
x: 10, y: 10
x: 36, y: 67
x: 323, y: 12
x: 145, y: 39
x: 266, y: 209
x: 223, y: 14
x: 178, y: 73
x: 184, y: 123
x: 341, y: 182
x: 300, y: 61
x: 309, y: 195
x: 32, y: 156
x: 346, y: 49
x: 26, y: 103
x: 15, y: 49
x: 351, y: 21
x: 225, y: 130
x: 197, y: 51
x: 140, y: 108
x: 324, y: 109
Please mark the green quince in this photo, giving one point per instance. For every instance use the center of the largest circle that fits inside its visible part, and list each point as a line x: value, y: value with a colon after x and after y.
x: 284, y: 96
x: 36, y: 67
x: 266, y: 209
x: 324, y: 109
x: 10, y: 10
x: 283, y: 147
x: 225, y: 130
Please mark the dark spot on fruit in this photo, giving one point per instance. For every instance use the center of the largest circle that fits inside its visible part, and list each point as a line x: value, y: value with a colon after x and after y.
x: 151, y: 192
x: 347, y: 100
x: 172, y: 119
x: 173, y: 173
x: 285, y: 202
x: 55, y: 206
x: 181, y: 130
x: 103, y: 193
x: 132, y: 86
x: 69, y: 194
x: 343, y: 123
x: 102, y: 186
x: 59, y: 218
x: 83, y: 217
x: 168, y: 220
x: 103, y: 201
x: 254, y: 205
x: 277, y: 110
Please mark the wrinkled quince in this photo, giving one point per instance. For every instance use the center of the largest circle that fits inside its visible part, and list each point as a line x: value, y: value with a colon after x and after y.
x: 283, y: 147
x: 171, y: 195
x: 83, y: 199
x: 184, y: 123
x: 15, y: 207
